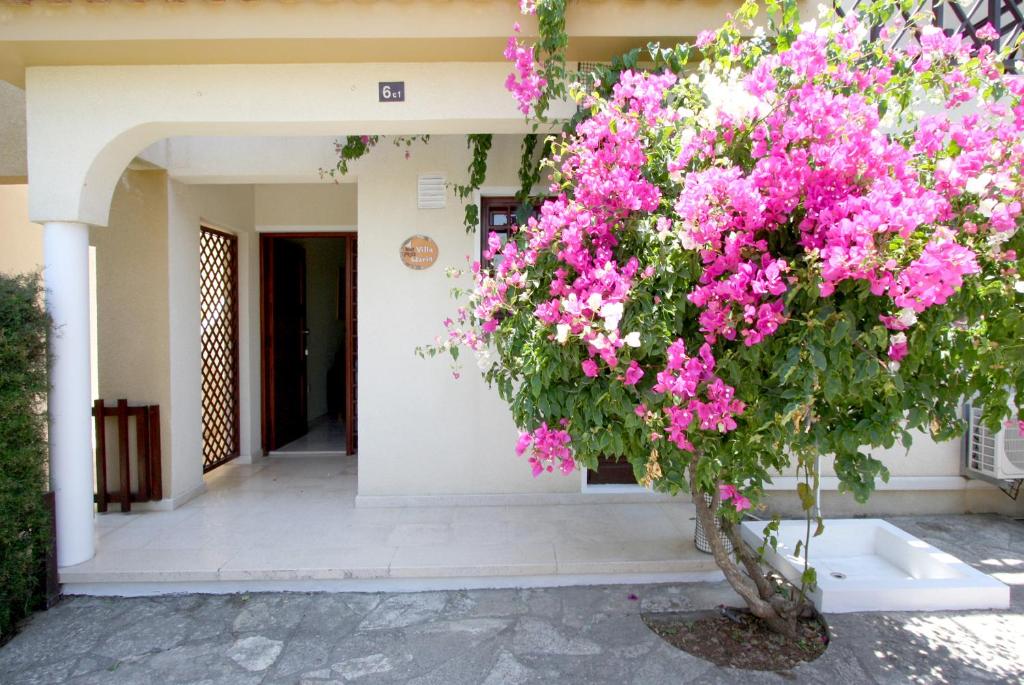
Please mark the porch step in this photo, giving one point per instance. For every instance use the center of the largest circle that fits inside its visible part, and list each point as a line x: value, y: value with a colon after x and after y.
x: 135, y: 572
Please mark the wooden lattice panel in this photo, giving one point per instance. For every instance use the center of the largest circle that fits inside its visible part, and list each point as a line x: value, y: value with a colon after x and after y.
x: 218, y: 290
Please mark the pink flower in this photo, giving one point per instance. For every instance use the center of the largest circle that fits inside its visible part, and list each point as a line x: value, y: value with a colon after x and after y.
x: 549, y: 450
x: 727, y: 492
x: 633, y: 374
x: 527, y: 7
x: 987, y: 32
x: 590, y: 368
x: 705, y: 38
x: 641, y: 410
x: 898, y: 347
x: 525, y: 82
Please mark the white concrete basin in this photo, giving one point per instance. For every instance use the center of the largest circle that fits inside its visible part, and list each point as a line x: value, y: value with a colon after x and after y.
x: 871, y: 565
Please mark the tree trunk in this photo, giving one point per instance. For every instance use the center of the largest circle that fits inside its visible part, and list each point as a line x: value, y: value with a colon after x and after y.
x: 746, y: 587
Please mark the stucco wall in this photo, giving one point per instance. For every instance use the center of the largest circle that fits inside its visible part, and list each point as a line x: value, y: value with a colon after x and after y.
x: 12, y: 132
x: 228, y: 208
x: 132, y: 332
x: 305, y: 205
x: 21, y: 240
x: 421, y: 431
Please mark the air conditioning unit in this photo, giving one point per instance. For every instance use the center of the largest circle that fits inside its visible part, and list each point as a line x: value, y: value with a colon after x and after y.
x: 998, y: 455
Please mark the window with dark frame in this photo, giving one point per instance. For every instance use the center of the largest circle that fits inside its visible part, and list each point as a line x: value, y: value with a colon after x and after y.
x: 497, y: 215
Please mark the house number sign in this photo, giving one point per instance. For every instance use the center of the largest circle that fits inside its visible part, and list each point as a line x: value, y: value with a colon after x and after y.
x: 418, y: 252
x: 390, y: 91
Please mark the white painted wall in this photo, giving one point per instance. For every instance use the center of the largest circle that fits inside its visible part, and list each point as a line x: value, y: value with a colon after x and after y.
x: 301, y: 206
x: 421, y: 432
x: 21, y: 241
x: 12, y: 131
x: 228, y: 208
x: 77, y: 160
x: 132, y: 333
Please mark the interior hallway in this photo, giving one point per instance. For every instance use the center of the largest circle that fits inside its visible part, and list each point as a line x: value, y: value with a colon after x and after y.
x: 326, y: 435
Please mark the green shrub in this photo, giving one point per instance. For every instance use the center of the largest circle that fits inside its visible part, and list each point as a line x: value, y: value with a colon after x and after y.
x: 24, y: 524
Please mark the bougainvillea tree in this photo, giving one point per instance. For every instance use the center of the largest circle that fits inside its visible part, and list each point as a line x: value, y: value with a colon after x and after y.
x: 802, y: 243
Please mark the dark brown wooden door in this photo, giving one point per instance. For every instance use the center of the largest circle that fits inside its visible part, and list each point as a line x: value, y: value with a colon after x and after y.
x: 286, y: 313
x: 351, y: 346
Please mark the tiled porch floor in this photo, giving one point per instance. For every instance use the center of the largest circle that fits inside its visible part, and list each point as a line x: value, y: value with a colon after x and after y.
x: 293, y: 519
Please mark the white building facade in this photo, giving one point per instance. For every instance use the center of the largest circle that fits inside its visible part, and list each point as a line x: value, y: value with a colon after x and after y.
x: 133, y: 125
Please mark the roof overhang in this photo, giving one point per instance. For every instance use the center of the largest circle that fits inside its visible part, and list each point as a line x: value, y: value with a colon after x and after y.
x: 203, y: 32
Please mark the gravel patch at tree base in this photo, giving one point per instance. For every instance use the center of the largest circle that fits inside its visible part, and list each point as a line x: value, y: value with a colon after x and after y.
x: 739, y: 640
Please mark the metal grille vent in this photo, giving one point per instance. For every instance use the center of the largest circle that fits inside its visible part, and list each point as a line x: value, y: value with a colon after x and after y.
x: 430, y: 191
x: 998, y: 455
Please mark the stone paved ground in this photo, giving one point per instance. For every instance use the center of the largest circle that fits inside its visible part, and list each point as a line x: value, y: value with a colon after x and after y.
x: 564, y: 635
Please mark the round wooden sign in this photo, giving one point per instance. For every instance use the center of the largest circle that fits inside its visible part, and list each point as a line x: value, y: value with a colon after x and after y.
x: 418, y: 252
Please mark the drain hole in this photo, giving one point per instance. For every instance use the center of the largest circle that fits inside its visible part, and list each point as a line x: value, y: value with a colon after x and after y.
x: 838, y: 574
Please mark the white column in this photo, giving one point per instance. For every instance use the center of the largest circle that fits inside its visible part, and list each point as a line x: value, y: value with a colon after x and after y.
x: 66, y: 272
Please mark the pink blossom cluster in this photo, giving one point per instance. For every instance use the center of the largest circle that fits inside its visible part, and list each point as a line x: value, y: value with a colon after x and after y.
x: 696, y: 393
x: 824, y: 151
x: 605, y: 161
x: 934, y: 276
x: 549, y: 449
x: 727, y: 492
x: 789, y: 177
x: 721, y: 213
x: 526, y: 81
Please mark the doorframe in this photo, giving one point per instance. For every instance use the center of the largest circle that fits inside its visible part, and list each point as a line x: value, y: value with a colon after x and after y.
x: 265, y: 238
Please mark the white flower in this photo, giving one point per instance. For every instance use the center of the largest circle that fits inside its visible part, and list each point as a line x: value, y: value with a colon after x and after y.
x: 632, y: 339
x: 562, y: 332
x: 612, y: 315
x: 594, y: 301
x: 907, y: 316
x: 729, y: 97
x: 977, y: 185
x: 687, y: 240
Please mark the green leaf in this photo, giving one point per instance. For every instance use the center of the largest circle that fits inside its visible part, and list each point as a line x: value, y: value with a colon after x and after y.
x: 818, y: 358
x: 832, y: 387
x: 840, y: 330
x: 806, y: 496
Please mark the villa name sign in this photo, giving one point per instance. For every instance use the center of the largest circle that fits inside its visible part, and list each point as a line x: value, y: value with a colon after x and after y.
x: 418, y: 252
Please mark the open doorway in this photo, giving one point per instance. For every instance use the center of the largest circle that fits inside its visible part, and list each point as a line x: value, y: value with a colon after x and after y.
x: 309, y: 353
